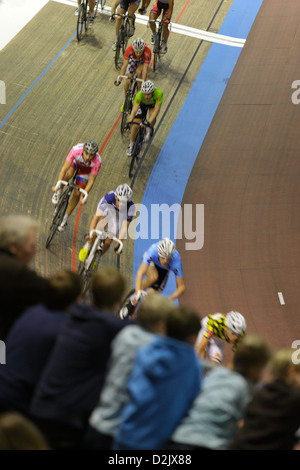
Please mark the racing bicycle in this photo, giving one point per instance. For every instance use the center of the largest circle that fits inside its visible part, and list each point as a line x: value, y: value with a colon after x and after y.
x: 61, y: 206
x: 82, y: 19
x: 138, y: 143
x: 128, y: 103
x: 127, y: 310
x: 157, y: 42
x: 88, y: 267
x: 124, y: 35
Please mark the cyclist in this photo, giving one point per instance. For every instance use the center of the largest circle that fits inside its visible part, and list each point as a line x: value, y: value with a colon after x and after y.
x: 167, y: 7
x: 84, y: 156
x: 148, y: 98
x: 217, y: 330
x: 136, y: 60
x: 158, y: 261
x: 114, y: 214
x: 130, y: 6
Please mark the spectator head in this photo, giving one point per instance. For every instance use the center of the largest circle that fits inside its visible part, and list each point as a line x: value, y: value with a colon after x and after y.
x: 63, y: 288
x: 108, y: 286
x: 153, y: 312
x: 283, y: 367
x: 251, y: 357
x: 18, y: 235
x: 183, y: 324
x: 18, y: 433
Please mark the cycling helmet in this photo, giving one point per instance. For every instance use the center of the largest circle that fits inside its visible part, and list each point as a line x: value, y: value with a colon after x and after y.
x: 124, y: 192
x: 148, y: 87
x: 235, y: 322
x: 91, y: 147
x: 138, y: 45
x: 166, y: 248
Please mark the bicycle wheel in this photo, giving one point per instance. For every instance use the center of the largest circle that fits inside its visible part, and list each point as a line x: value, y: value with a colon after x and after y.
x: 86, y: 274
x: 126, y: 111
x: 58, y: 216
x: 126, y: 34
x: 118, y: 50
x: 157, y: 49
x: 86, y: 14
x: 124, y: 304
x: 96, y: 8
x: 137, y: 147
x: 80, y: 21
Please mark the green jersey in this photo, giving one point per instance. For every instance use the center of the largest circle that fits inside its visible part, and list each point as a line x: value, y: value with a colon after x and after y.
x: 157, y: 97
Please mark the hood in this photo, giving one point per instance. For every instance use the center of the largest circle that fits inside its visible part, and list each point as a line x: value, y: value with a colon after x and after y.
x: 165, y: 357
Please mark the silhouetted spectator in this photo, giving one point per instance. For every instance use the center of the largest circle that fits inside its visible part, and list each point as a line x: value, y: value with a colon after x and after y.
x: 106, y: 416
x: 31, y: 339
x: 20, y: 287
x: 70, y: 385
x: 165, y: 379
x: 216, y: 412
x: 273, y: 416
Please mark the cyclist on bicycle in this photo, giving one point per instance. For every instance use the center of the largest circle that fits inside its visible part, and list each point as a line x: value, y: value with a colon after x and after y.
x: 114, y: 214
x: 217, y: 330
x: 158, y: 261
x: 84, y: 156
x: 148, y: 98
x: 130, y: 6
x: 136, y: 60
x: 91, y: 12
x: 167, y: 7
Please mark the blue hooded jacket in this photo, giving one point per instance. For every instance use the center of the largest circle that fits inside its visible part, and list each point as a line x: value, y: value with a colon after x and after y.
x: 165, y: 380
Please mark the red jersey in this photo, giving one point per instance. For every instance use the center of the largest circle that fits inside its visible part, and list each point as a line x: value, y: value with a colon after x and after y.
x: 145, y: 58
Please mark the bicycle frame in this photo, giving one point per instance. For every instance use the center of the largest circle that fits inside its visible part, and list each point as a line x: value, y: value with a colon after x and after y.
x: 101, y: 236
x: 129, y: 97
x: 82, y: 18
x: 123, y: 36
x: 158, y: 40
x: 138, y: 144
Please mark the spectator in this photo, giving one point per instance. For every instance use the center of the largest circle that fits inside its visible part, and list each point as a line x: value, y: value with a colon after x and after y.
x: 273, y: 416
x: 106, y: 416
x: 31, y: 339
x: 20, y: 287
x: 216, y: 412
x: 70, y: 385
x: 19, y: 433
x: 164, y: 381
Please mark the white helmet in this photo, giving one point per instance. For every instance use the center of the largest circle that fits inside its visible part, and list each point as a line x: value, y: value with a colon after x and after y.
x: 148, y: 87
x: 235, y: 322
x: 124, y: 192
x: 166, y: 248
x: 138, y: 45
x: 91, y: 147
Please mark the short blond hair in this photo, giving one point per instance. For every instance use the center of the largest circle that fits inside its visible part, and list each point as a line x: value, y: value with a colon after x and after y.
x: 107, y: 287
x: 15, y: 228
x: 280, y: 363
x: 154, y: 308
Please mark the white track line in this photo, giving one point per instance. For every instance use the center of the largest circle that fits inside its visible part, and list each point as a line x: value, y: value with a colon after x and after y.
x: 180, y: 29
x: 281, y: 299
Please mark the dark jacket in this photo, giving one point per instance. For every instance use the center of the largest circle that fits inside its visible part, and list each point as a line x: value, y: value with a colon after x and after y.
x: 28, y: 346
x: 20, y: 288
x: 272, y: 419
x: 70, y: 386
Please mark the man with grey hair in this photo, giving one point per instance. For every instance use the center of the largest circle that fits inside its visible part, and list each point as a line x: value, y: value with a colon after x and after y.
x: 20, y: 287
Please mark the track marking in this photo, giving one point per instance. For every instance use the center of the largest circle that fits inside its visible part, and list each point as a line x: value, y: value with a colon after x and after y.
x: 281, y: 299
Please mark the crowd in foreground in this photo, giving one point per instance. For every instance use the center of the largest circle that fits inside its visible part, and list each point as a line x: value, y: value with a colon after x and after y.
x: 76, y: 376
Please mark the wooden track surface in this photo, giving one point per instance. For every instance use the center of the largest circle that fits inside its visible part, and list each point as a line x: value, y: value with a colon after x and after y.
x: 75, y: 100
x: 247, y: 177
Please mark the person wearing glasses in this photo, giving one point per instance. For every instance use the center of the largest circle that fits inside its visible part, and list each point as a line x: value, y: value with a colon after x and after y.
x: 114, y: 213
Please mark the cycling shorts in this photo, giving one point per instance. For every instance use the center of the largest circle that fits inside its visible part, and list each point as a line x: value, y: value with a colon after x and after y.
x: 81, y: 180
x: 158, y: 7
x: 124, y: 4
x: 162, y: 279
x: 143, y: 110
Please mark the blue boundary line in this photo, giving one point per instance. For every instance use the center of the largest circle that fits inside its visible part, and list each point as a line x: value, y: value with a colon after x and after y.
x: 174, y: 164
x: 36, y: 81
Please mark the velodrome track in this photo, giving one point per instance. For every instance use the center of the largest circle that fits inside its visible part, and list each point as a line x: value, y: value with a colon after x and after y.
x: 244, y: 174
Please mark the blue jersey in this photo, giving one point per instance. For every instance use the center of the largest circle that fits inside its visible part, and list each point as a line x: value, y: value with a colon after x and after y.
x: 110, y: 198
x: 175, y: 265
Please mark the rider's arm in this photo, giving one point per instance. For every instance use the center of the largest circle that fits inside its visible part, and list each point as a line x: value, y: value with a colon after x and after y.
x: 201, y: 348
x: 63, y: 172
x: 89, y: 185
x: 123, y: 230
x: 133, y: 112
x: 122, y: 71
x: 139, y: 276
x: 170, y: 9
x: 180, y: 289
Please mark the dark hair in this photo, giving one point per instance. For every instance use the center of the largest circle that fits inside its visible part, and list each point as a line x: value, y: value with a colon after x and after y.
x: 108, y: 286
x: 252, y: 351
x: 62, y: 289
x: 182, y: 323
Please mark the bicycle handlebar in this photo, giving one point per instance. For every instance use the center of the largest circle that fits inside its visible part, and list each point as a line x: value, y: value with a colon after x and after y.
x: 65, y: 183
x: 103, y: 235
x: 126, y: 76
x: 141, y: 293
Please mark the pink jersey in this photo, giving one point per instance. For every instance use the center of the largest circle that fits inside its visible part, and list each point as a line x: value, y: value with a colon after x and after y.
x: 75, y: 157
